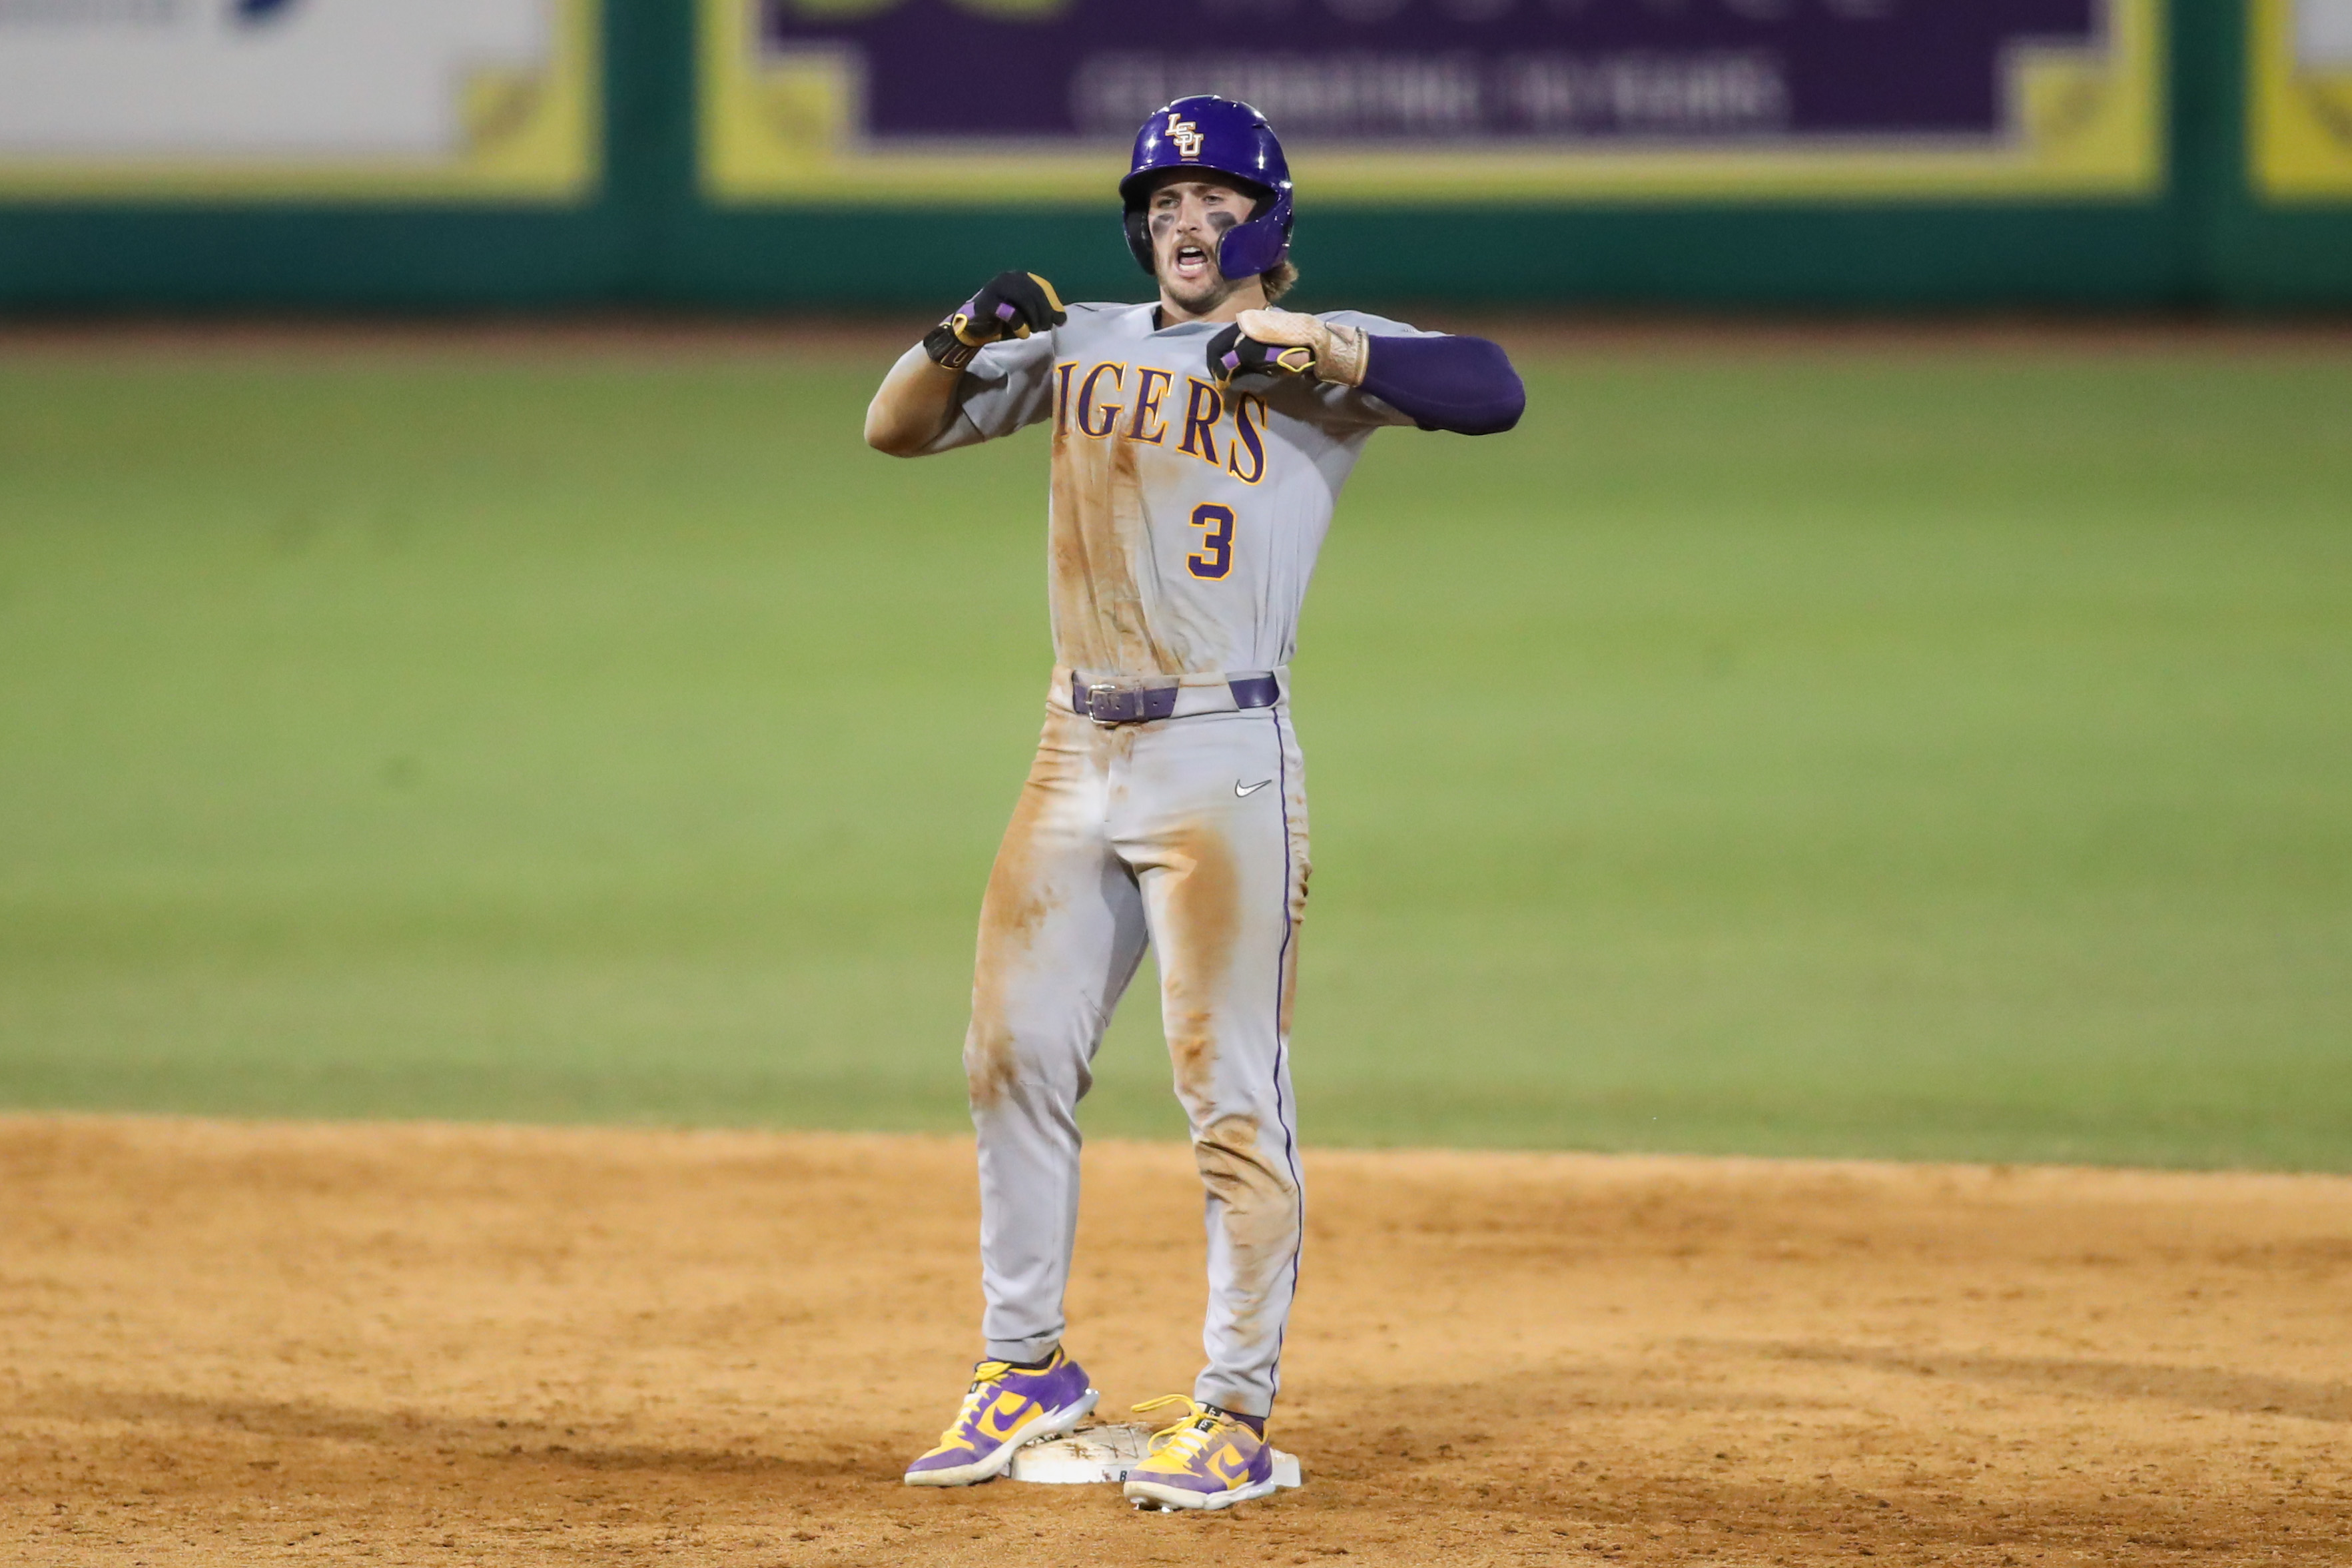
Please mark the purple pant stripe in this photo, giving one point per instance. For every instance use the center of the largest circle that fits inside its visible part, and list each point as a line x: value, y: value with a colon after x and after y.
x: 1282, y: 1042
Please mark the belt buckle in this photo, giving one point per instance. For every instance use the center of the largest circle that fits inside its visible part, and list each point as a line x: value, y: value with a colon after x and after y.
x: 1108, y: 703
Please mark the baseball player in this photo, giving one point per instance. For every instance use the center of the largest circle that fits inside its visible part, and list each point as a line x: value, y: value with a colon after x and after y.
x: 1199, y: 443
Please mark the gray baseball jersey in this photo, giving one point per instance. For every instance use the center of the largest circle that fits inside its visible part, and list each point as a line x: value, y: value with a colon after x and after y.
x: 1185, y: 523
x: 1185, y: 519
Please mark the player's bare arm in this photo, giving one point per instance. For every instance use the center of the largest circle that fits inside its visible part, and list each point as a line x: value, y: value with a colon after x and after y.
x: 912, y: 405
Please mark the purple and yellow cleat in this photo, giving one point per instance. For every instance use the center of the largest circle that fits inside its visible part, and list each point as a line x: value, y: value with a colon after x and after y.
x: 1206, y: 1459
x: 1005, y: 1408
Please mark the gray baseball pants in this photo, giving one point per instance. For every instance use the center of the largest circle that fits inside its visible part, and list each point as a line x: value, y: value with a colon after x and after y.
x: 1189, y: 835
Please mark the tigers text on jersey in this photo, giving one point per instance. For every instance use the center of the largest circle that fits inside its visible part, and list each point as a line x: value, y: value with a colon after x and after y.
x: 1185, y: 518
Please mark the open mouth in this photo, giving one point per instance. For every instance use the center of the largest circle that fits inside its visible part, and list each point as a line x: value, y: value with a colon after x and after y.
x: 1193, y: 263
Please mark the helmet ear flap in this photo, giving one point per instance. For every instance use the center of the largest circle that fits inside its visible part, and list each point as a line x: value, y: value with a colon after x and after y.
x: 1139, y: 238
x: 1260, y: 245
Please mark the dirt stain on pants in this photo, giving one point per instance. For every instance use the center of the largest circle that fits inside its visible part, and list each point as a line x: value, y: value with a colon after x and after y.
x: 1126, y: 836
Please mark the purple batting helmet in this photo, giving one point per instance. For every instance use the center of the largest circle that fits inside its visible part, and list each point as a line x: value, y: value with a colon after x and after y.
x: 1206, y: 131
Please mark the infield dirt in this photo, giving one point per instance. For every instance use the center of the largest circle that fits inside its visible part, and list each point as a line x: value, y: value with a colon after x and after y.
x: 428, y: 1343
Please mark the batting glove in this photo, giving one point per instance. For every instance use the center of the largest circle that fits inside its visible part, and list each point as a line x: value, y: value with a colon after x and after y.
x: 1013, y: 305
x: 1288, y: 342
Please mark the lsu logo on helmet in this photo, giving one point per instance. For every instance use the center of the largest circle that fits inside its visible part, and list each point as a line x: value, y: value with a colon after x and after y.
x: 1186, y: 135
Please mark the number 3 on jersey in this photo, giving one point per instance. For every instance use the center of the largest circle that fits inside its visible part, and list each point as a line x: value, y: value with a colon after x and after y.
x: 1215, y: 556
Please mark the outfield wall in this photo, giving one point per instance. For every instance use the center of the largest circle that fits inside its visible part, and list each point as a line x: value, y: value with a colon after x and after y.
x: 661, y: 152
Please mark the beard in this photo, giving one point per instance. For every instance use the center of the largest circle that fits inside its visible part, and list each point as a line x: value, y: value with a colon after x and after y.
x: 1198, y: 295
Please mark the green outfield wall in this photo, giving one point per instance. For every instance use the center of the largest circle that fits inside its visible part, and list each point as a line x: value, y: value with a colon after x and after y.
x: 2205, y: 161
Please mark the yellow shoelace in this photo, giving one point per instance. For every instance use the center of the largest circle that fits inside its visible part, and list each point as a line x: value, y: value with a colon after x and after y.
x: 1184, y: 1437
x: 983, y: 1388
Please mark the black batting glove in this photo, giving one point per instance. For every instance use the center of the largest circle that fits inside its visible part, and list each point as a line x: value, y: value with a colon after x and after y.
x: 1232, y: 352
x: 1013, y: 305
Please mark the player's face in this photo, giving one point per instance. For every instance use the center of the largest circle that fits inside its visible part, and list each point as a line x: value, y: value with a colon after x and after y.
x: 1188, y: 218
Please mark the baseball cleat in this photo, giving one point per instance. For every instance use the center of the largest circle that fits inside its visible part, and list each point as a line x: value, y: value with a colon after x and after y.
x: 1206, y: 1459
x: 1005, y: 1408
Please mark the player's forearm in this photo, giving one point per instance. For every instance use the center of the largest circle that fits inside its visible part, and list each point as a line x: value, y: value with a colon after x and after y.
x: 913, y: 404
x: 1463, y: 385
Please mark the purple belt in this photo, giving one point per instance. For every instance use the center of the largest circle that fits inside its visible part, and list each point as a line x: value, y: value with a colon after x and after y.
x: 1108, y: 704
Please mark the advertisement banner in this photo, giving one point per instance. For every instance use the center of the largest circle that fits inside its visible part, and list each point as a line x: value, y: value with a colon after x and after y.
x: 2300, y: 99
x: 239, y: 99
x: 1420, y: 100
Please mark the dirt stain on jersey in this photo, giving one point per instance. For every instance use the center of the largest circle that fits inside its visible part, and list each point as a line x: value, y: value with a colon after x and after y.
x: 1258, y: 1213
x: 1098, y: 543
x: 1012, y: 912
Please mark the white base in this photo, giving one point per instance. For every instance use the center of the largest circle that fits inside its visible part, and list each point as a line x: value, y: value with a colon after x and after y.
x: 1093, y: 1454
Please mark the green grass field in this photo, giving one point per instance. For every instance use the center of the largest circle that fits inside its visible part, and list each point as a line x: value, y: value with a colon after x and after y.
x: 1903, y: 752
